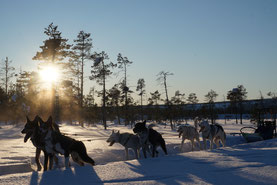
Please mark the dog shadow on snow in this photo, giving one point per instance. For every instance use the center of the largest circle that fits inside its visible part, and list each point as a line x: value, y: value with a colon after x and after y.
x: 182, y: 169
x: 73, y: 175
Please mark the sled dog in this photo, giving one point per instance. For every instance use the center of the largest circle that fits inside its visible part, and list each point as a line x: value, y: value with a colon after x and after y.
x: 55, y: 142
x: 196, y: 121
x: 214, y: 133
x: 149, y: 136
x: 127, y: 140
x: 190, y: 133
x: 32, y: 131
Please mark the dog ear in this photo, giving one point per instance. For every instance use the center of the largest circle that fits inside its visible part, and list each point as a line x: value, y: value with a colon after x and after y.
x: 117, y: 132
x: 49, y: 120
x: 28, y: 120
x: 112, y: 131
x: 144, y: 122
x: 38, y: 119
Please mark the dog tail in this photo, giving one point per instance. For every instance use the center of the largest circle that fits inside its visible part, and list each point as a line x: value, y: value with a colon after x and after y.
x: 83, y: 154
x: 87, y: 159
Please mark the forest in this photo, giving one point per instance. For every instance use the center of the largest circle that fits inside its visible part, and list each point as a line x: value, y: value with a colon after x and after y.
x: 57, y: 88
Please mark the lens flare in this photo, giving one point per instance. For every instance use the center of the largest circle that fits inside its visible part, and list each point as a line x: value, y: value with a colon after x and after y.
x: 49, y: 74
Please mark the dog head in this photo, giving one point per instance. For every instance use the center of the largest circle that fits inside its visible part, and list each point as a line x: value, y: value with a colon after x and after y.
x: 204, y: 125
x: 180, y: 130
x: 114, y: 137
x: 29, y: 128
x: 45, y: 126
x: 183, y: 129
x: 140, y: 127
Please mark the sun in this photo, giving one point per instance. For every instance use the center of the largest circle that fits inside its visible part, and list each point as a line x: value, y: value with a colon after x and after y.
x: 49, y: 74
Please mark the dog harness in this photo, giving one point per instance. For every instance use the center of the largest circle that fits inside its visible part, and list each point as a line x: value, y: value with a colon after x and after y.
x: 214, y: 130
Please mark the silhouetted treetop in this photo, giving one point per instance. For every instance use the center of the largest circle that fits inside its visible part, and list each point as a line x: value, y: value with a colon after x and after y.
x: 55, y: 48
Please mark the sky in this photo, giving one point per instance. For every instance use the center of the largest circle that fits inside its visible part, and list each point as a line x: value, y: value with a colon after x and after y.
x: 215, y: 44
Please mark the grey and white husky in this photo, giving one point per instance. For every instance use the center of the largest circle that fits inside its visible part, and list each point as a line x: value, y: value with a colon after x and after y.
x: 127, y: 140
x: 190, y: 133
x: 214, y: 133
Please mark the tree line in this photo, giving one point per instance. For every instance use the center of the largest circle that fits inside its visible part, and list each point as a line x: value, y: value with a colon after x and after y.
x: 65, y: 100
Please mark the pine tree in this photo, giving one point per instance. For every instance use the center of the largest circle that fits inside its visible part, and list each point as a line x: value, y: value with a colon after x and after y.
x: 154, y: 100
x: 141, y: 90
x: 236, y: 96
x: 100, y: 72
x: 123, y: 63
x: 7, y: 72
x: 162, y: 79
x: 53, y: 52
x: 210, y: 98
x: 114, y: 100
x: 81, y: 53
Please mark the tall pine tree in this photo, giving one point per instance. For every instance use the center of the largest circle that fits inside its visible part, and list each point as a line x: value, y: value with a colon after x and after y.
x: 81, y: 53
x: 99, y: 72
x: 54, y: 50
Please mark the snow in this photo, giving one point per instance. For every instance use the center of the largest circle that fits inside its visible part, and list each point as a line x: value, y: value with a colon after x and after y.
x: 238, y: 163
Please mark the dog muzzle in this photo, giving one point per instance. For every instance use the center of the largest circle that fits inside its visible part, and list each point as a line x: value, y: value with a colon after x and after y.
x: 28, y: 135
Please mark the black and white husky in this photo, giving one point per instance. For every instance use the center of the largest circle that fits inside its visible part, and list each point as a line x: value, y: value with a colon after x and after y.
x: 149, y: 136
x: 32, y: 132
x: 214, y: 133
x: 56, y: 142
x: 127, y: 140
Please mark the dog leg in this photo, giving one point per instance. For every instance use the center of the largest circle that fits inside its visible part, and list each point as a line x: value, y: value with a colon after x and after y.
x: 46, y: 156
x: 56, y: 160
x: 50, y: 161
x: 136, y: 152
x: 211, y: 144
x: 66, y: 162
x: 192, y: 144
x: 38, y: 151
x: 126, y: 153
x: 182, y: 143
x: 199, y: 143
x: 144, y: 151
x: 153, y: 151
x: 223, y: 142
x: 205, y: 144
x: 217, y: 143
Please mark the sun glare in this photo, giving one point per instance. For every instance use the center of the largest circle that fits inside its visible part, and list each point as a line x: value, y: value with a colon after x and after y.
x: 49, y: 74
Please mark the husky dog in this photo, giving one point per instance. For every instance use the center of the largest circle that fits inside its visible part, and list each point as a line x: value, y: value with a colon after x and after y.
x: 31, y: 129
x: 55, y: 142
x: 197, y: 120
x: 214, y: 133
x: 149, y: 136
x: 190, y: 133
x: 127, y: 140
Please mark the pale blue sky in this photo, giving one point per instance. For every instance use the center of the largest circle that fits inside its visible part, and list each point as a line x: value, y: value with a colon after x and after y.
x: 214, y: 44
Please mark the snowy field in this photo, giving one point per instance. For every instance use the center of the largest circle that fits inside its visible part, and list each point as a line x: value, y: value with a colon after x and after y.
x: 238, y: 163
